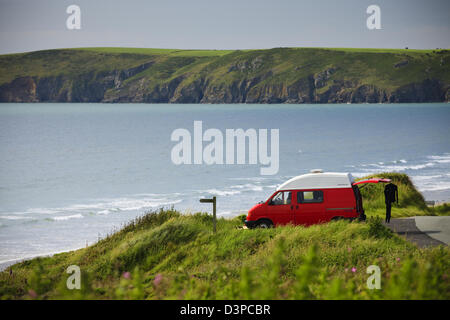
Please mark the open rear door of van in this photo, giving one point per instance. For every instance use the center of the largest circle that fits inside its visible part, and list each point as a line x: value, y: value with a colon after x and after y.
x: 359, y: 205
x: 372, y: 180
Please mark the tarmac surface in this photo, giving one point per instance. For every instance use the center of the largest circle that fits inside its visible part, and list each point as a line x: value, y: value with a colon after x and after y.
x: 424, y: 231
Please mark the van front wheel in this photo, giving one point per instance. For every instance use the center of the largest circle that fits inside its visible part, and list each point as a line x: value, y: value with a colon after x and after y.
x: 264, y: 224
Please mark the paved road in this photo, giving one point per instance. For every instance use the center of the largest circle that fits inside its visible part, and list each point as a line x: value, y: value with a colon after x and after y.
x: 424, y: 231
x: 436, y: 227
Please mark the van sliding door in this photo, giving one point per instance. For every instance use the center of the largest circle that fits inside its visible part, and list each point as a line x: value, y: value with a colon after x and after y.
x: 310, y: 207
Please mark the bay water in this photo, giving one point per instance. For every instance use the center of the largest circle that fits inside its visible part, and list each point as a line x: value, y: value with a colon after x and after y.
x: 71, y: 173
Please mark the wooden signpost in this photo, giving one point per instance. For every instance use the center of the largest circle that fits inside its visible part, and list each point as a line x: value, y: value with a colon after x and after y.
x: 213, y: 201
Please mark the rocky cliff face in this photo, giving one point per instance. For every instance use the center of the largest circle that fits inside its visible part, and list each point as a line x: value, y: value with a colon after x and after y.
x: 250, y: 80
x: 89, y: 87
x: 93, y: 88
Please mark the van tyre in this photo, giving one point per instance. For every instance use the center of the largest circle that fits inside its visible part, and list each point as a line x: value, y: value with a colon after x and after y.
x: 264, y: 224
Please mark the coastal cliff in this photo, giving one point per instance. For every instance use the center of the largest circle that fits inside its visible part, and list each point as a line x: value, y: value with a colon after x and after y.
x: 281, y: 75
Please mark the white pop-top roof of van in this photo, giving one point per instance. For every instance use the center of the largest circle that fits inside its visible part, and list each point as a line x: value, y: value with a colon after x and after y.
x: 319, y: 180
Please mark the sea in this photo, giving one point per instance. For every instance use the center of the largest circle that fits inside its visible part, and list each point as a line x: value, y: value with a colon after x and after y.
x: 71, y: 173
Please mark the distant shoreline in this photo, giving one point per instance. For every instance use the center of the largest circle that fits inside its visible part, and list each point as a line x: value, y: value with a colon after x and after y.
x: 6, y: 264
x: 220, y: 103
x: 266, y: 76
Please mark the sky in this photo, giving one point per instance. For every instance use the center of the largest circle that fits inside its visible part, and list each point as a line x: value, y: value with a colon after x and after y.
x: 226, y: 24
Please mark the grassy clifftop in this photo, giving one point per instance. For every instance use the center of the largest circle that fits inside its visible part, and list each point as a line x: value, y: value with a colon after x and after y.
x: 410, y: 201
x: 167, y: 255
x: 280, y: 75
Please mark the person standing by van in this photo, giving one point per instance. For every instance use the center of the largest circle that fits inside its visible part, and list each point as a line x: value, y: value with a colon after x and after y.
x: 390, y: 196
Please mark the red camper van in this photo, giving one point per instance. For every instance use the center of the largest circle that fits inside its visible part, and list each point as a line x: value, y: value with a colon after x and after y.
x: 311, y: 198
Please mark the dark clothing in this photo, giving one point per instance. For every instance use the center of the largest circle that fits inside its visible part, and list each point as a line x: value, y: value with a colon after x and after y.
x: 391, y: 193
x: 390, y: 196
x: 388, y: 212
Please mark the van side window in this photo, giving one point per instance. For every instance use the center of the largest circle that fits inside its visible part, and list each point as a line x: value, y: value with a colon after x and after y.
x: 310, y: 196
x: 282, y: 197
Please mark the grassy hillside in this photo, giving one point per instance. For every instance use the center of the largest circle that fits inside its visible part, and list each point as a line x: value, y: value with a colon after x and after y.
x: 410, y: 200
x: 78, y: 61
x: 167, y: 255
x: 282, y: 75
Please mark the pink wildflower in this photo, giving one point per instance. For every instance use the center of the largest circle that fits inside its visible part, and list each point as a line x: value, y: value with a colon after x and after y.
x: 158, y: 279
x: 126, y: 275
x: 32, y: 293
x: 353, y: 269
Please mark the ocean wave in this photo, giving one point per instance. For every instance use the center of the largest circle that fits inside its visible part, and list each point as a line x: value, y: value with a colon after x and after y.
x: 432, y: 182
x: 222, y: 192
x: 105, y: 212
x: 248, y: 187
x: 362, y: 174
x: 422, y: 182
x: 399, y: 168
x: 402, y: 164
x: 396, y: 161
x: 100, y: 207
x: 237, y: 189
x: 250, y: 178
x: 429, y: 174
x: 440, y: 159
x: 430, y: 177
x: 12, y: 217
x: 131, y: 204
x: 437, y: 186
x: 63, y: 218
x: 239, y: 186
x: 40, y: 211
x: 176, y: 194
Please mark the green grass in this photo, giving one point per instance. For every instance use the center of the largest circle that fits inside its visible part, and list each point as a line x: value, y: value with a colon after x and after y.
x: 168, y: 255
x: 441, y: 210
x: 286, y: 66
x: 155, y: 51
x: 381, y: 50
x: 410, y: 201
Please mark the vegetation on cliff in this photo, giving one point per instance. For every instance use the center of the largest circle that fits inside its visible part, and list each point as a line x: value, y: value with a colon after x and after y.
x: 168, y: 255
x: 280, y: 75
